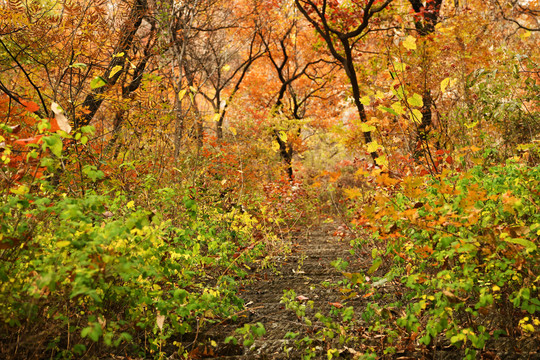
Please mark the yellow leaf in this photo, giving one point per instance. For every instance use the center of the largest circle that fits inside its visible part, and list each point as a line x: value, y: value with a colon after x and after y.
x: 379, y: 95
x: 181, y: 94
x: 525, y: 35
x: 471, y: 125
x: 373, y: 146
x: 409, y: 43
x: 226, y: 67
x: 352, y: 193
x: 283, y: 136
x: 232, y: 130
x: 118, y: 55
x: 130, y: 204
x: 216, y: 117
x: 382, y: 161
x: 114, y: 70
x: 416, y: 100
x: 495, y: 288
x: 416, y: 116
x: 21, y: 190
x: 398, y: 108
x: 61, y: 244
x: 365, y: 100
x: 444, y: 84
x: 365, y: 127
x: 275, y: 146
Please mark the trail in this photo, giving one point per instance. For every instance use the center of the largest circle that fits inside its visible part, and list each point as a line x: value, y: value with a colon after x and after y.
x: 304, y: 271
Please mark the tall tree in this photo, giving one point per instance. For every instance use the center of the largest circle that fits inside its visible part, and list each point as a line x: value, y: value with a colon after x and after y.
x: 292, y: 64
x: 342, y: 25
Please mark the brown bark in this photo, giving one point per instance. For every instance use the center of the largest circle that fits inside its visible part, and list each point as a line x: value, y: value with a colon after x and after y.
x: 93, y: 101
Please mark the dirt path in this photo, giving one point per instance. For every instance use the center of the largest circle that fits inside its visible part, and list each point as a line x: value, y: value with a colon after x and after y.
x: 304, y: 271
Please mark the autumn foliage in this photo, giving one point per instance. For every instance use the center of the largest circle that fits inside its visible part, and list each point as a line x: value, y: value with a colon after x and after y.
x: 150, y: 151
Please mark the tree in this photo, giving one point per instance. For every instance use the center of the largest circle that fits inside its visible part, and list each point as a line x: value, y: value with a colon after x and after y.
x: 342, y: 28
x: 292, y: 62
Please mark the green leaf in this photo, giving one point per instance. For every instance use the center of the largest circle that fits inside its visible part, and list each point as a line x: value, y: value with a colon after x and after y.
x: 388, y: 110
x: 78, y: 66
x: 376, y: 264
x: 528, y: 245
x: 97, y: 82
x: 54, y: 143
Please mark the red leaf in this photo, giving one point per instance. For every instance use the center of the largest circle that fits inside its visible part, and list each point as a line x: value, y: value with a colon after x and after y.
x: 34, y: 140
x: 29, y: 105
x: 449, y: 160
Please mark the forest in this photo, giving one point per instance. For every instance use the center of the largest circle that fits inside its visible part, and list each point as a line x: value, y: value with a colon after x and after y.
x: 270, y: 179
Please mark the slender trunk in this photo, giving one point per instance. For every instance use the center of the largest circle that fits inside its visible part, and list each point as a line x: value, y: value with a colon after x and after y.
x: 426, y: 18
x: 93, y: 101
x: 348, y: 64
x: 286, y: 152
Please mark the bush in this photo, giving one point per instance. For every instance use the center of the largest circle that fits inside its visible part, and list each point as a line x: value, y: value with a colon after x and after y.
x: 465, y: 247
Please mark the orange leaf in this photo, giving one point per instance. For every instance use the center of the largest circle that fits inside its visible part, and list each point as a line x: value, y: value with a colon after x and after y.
x: 34, y: 140
x: 29, y: 105
x: 54, y: 125
x: 336, y: 305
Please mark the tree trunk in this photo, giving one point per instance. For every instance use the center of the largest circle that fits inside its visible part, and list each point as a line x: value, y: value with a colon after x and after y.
x: 93, y: 101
